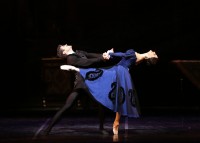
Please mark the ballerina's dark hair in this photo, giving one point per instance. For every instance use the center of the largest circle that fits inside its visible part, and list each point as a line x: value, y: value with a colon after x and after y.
x: 152, y: 61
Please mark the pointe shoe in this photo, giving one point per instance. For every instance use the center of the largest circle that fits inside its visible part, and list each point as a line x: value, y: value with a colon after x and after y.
x: 115, y: 129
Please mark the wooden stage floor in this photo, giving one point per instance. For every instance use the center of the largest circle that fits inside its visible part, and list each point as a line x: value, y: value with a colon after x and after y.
x: 178, y: 128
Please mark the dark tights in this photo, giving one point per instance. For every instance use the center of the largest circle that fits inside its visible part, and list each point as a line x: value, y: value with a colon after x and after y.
x: 69, y: 102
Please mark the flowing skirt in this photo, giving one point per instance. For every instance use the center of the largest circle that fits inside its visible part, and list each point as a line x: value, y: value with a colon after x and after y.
x: 113, y: 88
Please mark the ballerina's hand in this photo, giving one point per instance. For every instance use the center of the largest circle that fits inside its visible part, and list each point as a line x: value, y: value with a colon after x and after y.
x: 110, y: 51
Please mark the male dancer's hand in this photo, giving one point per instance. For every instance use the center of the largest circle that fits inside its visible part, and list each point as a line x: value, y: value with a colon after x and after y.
x: 106, y: 56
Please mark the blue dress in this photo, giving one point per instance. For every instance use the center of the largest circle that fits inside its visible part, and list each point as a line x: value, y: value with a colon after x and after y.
x: 113, y: 86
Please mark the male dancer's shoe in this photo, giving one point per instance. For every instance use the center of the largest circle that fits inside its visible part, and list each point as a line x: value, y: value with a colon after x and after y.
x: 103, y: 132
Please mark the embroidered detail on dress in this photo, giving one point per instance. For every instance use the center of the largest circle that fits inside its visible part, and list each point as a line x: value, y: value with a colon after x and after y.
x: 121, y: 97
x: 132, y: 97
x: 112, y: 93
x: 93, y: 75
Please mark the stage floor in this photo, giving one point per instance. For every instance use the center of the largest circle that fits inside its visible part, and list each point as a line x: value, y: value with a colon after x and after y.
x: 147, y: 128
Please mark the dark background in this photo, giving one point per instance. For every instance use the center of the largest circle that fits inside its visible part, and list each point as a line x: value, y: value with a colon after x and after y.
x: 32, y: 29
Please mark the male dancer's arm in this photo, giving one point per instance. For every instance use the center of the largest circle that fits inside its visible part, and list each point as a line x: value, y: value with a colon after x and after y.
x: 90, y: 55
x: 75, y: 60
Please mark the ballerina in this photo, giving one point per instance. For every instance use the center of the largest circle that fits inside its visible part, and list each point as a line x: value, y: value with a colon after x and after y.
x: 118, y: 94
